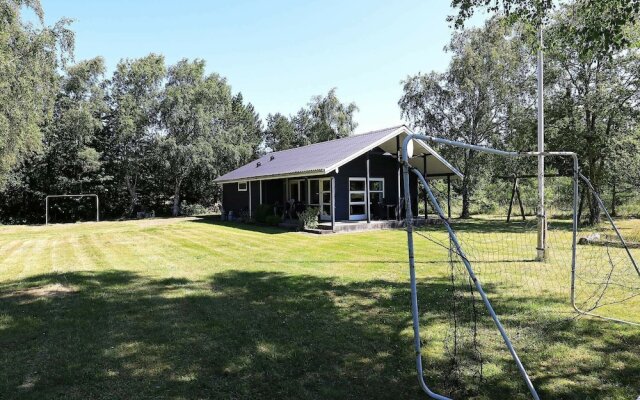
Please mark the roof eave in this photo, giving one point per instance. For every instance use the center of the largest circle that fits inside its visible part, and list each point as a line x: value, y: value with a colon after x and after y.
x: 313, y: 172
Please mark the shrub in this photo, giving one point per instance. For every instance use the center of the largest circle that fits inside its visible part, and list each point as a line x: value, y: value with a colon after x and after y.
x: 308, y: 219
x: 273, y: 220
x: 194, y: 209
x: 263, y: 211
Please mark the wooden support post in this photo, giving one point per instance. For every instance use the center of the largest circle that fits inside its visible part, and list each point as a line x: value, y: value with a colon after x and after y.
x: 513, y: 194
x: 249, y: 184
x: 398, y: 213
x: 520, y: 200
x: 333, y: 203
x: 307, y: 195
x: 367, y: 200
x: 449, y: 196
x: 260, y: 191
x: 424, y: 162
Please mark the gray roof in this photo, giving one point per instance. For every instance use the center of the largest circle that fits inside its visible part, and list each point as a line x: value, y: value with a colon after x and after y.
x: 321, y: 158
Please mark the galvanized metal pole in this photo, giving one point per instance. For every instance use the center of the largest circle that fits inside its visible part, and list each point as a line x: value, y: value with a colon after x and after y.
x: 46, y: 210
x: 542, y: 221
x: 414, y: 290
x: 478, y: 285
x: 97, y: 209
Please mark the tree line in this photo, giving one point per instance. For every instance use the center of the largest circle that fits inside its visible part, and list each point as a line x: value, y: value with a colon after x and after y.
x: 152, y: 137
x: 487, y: 95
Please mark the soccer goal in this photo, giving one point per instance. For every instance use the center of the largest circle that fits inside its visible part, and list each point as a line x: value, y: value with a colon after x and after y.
x: 69, y: 196
x: 503, y: 298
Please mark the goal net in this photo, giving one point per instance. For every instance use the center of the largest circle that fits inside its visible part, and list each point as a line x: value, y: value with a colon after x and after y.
x: 498, y: 320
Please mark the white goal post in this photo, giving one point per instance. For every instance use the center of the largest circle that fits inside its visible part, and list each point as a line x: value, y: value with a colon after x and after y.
x: 51, y: 196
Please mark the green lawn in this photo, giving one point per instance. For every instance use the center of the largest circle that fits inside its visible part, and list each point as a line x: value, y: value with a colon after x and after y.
x: 188, y: 308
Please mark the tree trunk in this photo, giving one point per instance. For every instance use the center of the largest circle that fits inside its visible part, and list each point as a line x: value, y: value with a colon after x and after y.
x: 465, y: 198
x: 466, y: 213
x: 614, y: 199
x: 133, y: 195
x: 175, y: 211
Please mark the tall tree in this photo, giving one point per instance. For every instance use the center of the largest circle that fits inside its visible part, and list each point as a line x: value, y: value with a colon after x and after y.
x: 331, y: 119
x: 593, y: 103
x: 29, y: 59
x: 280, y: 133
x: 71, y: 156
x: 135, y: 97
x: 193, y: 111
x: 468, y: 102
x: 603, y: 30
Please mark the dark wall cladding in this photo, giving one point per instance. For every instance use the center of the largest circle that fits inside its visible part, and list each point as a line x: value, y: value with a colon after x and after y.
x: 380, y: 166
x: 274, y: 190
x: 234, y: 200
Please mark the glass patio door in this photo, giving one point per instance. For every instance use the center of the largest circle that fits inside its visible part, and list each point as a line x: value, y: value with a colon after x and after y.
x: 320, y: 196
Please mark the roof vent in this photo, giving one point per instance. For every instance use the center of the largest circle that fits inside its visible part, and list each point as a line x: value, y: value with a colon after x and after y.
x: 272, y: 158
x: 258, y: 164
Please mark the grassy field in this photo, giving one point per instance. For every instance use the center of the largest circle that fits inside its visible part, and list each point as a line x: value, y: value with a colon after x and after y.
x: 189, y: 308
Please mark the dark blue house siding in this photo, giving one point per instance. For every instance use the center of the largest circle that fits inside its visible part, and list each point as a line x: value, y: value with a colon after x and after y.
x: 255, y: 196
x: 234, y: 200
x: 274, y: 190
x: 380, y: 166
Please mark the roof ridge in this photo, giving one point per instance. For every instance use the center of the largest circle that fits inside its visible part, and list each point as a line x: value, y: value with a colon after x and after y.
x: 334, y: 140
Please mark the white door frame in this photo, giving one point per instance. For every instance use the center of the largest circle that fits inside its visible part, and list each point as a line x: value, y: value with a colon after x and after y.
x: 299, y: 182
x: 363, y: 192
x: 362, y: 217
x: 321, y: 203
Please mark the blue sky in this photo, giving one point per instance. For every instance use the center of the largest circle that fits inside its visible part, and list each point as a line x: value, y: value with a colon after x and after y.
x: 277, y: 53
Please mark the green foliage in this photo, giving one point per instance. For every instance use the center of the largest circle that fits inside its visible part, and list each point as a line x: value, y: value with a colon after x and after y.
x: 325, y: 118
x: 263, y: 211
x: 194, y: 209
x: 29, y: 59
x: 308, y: 219
x: 273, y: 220
x: 280, y: 133
x: 604, y: 28
x: 135, y: 97
x: 473, y: 100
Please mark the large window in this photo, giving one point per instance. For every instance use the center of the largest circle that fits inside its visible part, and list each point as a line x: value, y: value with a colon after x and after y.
x: 357, y: 195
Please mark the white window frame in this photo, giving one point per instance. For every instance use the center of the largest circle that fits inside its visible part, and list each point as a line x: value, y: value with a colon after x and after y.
x: 362, y: 217
x: 246, y: 185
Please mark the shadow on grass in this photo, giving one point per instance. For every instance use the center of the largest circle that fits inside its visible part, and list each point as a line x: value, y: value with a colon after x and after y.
x: 483, y: 225
x: 117, y: 334
x: 215, y: 220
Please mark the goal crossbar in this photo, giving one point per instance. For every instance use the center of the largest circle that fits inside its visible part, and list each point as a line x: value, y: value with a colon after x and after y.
x: 52, y: 196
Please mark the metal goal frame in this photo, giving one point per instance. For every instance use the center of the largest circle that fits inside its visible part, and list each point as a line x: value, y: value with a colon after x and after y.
x: 577, y: 177
x: 52, y: 196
